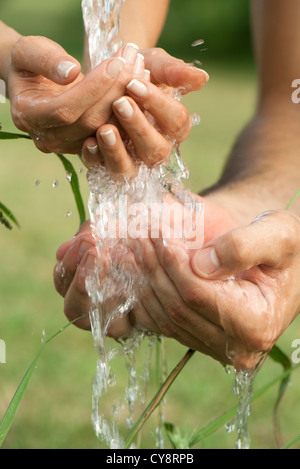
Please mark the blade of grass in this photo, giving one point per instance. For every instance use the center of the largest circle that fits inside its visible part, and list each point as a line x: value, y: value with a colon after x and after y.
x: 9, y: 214
x: 74, y: 182
x: 291, y: 443
x: 12, y: 136
x: 220, y: 421
x: 157, y: 398
x: 14, y: 405
x: 293, y: 199
x: 4, y: 221
x: 277, y: 355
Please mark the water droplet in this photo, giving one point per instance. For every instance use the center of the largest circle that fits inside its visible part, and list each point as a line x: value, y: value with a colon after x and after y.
x: 69, y: 176
x: 198, y: 42
x: 43, y: 339
x: 80, y: 170
x: 197, y: 63
x: 196, y: 119
x: 37, y: 183
x: 55, y: 184
x: 68, y: 214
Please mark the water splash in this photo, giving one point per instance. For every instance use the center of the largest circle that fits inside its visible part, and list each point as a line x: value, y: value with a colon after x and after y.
x: 243, y: 389
x: 102, y: 21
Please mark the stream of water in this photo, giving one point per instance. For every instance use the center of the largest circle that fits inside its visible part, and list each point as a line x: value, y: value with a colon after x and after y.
x: 102, y: 19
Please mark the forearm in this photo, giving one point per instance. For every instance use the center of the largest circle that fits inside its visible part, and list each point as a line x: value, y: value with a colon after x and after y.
x: 8, y: 37
x: 262, y: 171
x: 142, y: 21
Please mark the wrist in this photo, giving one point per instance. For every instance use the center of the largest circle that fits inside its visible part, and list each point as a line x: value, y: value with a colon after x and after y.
x: 9, y: 37
x: 262, y: 172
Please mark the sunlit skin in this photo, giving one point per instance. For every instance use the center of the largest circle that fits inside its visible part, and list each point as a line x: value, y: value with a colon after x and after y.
x: 235, y: 320
x: 248, y: 234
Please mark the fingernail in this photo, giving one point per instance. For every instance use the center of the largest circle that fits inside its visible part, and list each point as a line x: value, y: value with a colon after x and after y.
x: 204, y: 72
x: 124, y: 108
x: 137, y: 87
x: 147, y: 75
x: 206, y: 262
x: 115, y: 66
x: 64, y: 69
x: 130, y: 53
x: 93, y: 150
x: 109, y: 137
x: 139, y: 64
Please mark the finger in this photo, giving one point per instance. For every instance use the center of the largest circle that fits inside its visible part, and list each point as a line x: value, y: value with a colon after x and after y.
x: 120, y: 328
x: 106, y: 83
x: 42, y: 56
x: 173, y: 72
x: 85, y: 228
x: 65, y: 269
x: 271, y: 241
x: 90, y: 155
x: 207, y: 327
x: 76, y: 101
x: 70, y: 106
x: 84, y: 232
x: 84, y: 112
x: 175, y: 260
x: 116, y: 159
x: 77, y: 302
x: 174, y: 320
x: 150, y: 146
x: 172, y: 117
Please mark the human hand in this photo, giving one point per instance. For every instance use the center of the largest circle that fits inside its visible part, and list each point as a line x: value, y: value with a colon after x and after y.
x: 151, y: 110
x: 54, y: 102
x: 233, y: 298
x: 232, y: 305
x: 49, y: 98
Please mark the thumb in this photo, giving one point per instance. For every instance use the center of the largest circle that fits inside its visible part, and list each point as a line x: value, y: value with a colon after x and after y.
x: 271, y: 240
x: 42, y: 56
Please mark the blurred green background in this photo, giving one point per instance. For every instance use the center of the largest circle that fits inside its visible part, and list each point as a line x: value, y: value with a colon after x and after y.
x: 56, y: 409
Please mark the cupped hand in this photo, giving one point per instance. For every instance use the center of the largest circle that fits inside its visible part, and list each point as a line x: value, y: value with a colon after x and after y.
x: 58, y: 106
x: 235, y: 296
x: 54, y: 102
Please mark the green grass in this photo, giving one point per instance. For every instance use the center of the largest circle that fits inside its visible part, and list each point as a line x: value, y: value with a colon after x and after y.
x: 56, y: 409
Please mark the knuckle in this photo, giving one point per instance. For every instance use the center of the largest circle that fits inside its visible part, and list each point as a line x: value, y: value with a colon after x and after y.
x: 182, y: 121
x: 160, y: 153
x: 46, y: 60
x: 19, y: 47
x: 168, y: 330
x: 58, y: 279
x: 62, y: 115
x: 176, y: 312
x: 289, y: 239
x: 237, y: 248
x: 193, y: 297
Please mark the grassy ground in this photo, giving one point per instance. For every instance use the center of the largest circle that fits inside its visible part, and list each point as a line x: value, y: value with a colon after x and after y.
x: 55, y: 412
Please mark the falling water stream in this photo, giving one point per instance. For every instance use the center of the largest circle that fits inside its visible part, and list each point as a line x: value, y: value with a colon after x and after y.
x: 101, y: 19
